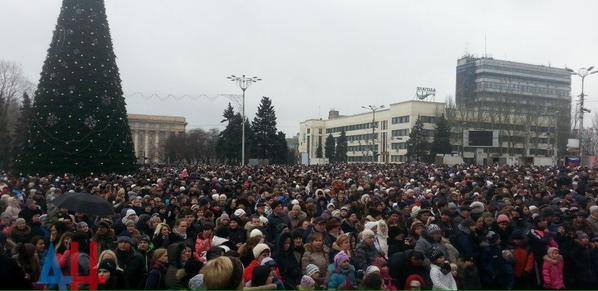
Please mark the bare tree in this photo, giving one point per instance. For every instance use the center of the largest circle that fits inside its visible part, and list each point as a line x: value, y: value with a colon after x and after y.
x: 12, y: 86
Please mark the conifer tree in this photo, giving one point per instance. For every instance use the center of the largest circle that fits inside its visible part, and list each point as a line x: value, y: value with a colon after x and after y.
x: 281, y: 150
x: 417, y: 145
x: 79, y: 122
x: 23, y: 123
x: 330, y: 148
x: 341, y: 148
x: 441, y: 143
x: 264, y: 131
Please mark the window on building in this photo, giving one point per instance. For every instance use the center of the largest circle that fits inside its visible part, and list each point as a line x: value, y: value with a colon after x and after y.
x: 400, y: 132
x: 400, y: 119
x: 398, y: 146
x: 429, y: 119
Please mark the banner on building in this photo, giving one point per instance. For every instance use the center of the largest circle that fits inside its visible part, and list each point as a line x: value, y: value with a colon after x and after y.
x: 572, y: 161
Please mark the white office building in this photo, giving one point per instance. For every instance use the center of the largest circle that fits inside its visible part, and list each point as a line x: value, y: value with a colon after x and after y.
x: 390, y: 133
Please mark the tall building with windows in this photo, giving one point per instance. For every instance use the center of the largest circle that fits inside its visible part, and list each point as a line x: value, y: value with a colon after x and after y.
x: 390, y: 133
x: 530, y: 105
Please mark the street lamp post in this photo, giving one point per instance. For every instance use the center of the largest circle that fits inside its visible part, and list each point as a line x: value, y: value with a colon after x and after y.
x: 373, y: 108
x: 243, y: 83
x: 582, y: 73
x: 555, y: 149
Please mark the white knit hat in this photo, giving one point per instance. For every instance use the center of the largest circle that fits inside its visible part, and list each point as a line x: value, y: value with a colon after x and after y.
x: 259, y: 248
x: 255, y: 232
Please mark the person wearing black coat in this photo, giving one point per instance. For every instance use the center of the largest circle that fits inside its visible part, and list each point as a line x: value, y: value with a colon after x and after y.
x: 115, y: 278
x: 496, y: 272
x: 289, y: 267
x: 131, y: 262
x: 236, y: 234
x: 539, y: 239
x: 403, y: 265
x: 278, y: 217
x: 581, y: 264
x: 464, y: 240
x: 12, y: 275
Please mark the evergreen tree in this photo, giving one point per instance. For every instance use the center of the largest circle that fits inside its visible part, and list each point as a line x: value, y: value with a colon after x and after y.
x: 330, y: 150
x: 341, y: 148
x: 264, y: 130
x: 229, y: 142
x: 22, y: 125
x: 441, y: 143
x: 319, y: 151
x: 228, y: 145
x: 417, y: 145
x: 281, y: 149
x: 79, y: 122
x: 229, y: 113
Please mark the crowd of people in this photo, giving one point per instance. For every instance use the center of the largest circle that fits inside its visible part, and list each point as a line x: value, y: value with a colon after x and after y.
x: 342, y: 226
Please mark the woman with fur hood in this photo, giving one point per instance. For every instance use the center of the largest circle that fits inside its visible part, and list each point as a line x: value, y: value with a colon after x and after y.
x: 315, y: 253
x: 552, y: 270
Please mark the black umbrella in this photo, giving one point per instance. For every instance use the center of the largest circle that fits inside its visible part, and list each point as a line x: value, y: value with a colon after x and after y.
x: 85, y: 203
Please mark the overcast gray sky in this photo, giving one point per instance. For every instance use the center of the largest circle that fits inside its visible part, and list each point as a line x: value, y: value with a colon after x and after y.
x: 312, y: 55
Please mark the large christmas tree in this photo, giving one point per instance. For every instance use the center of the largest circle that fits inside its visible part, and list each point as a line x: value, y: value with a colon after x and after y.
x: 79, y: 122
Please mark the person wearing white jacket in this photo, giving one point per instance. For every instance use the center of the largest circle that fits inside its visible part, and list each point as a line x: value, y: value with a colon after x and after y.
x: 440, y: 272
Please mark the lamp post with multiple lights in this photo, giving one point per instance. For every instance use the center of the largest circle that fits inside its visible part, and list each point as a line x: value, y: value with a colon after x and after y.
x: 373, y: 108
x: 243, y: 83
x: 582, y: 73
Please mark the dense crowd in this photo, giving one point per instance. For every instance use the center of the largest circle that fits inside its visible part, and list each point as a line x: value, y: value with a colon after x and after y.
x: 342, y: 226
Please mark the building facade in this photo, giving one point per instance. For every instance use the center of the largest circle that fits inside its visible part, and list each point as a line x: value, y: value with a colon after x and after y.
x: 530, y: 106
x: 387, y: 138
x: 150, y: 133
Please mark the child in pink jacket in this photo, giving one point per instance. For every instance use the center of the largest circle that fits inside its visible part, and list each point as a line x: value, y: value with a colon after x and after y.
x: 552, y: 270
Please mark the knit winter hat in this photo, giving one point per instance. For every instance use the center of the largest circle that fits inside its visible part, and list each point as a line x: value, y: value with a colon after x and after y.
x: 311, y: 269
x: 477, y: 205
x: 433, y: 228
x: 129, y: 213
x: 307, y: 282
x: 259, y: 249
x: 340, y: 258
x: 255, y: 232
x: 371, y: 269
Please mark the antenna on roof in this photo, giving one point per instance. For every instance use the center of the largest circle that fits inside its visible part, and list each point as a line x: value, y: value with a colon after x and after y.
x: 319, y: 112
x: 485, y: 51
